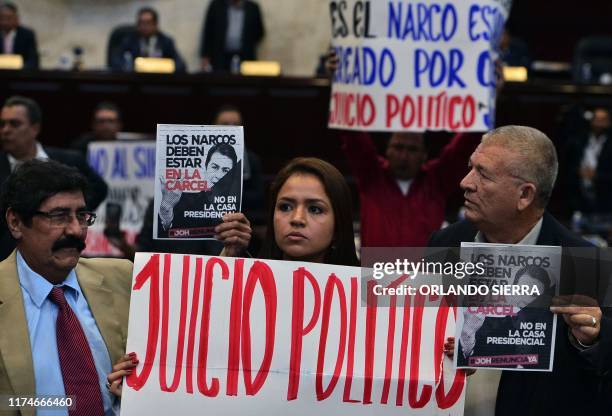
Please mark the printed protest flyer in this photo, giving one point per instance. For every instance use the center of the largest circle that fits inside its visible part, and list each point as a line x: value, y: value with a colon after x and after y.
x: 198, y: 179
x: 508, y: 324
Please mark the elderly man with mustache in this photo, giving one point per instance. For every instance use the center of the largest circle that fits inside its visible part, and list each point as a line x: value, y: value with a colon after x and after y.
x: 63, y: 318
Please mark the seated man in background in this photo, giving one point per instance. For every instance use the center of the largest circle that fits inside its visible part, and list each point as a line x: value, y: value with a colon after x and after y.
x: 589, y: 167
x: 148, y: 41
x: 17, y: 39
x: 20, y: 123
x: 231, y: 28
x: 64, y: 318
x: 105, y: 125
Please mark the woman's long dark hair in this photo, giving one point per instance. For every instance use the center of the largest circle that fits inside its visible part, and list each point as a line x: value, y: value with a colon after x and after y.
x: 342, y: 250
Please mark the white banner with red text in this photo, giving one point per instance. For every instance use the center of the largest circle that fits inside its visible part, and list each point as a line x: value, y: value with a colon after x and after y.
x: 236, y: 336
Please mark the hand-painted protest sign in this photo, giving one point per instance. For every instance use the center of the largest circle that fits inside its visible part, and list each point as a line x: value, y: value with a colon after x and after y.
x: 415, y: 65
x: 128, y: 167
x: 510, y: 328
x: 222, y: 335
x: 199, y: 171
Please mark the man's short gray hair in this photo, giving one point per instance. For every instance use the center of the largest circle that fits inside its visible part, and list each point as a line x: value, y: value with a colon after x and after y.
x: 537, y: 158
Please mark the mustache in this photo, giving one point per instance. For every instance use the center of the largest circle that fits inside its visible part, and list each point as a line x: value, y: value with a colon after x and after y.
x: 69, y: 242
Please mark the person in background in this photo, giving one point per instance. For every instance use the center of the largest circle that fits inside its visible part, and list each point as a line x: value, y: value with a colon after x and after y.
x: 17, y: 39
x: 513, y: 51
x: 231, y: 31
x: 105, y: 125
x: 148, y: 41
x: 252, y: 172
x: 20, y: 124
x: 403, y: 195
x: 589, y: 167
x: 65, y: 317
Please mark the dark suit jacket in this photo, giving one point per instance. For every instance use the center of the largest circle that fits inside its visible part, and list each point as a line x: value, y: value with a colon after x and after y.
x: 602, y: 181
x: 212, y: 43
x: 580, y: 381
x: 25, y: 45
x: 131, y: 44
x: 97, y: 187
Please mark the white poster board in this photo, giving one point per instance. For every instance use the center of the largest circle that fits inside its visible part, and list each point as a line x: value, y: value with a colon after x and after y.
x: 238, y: 336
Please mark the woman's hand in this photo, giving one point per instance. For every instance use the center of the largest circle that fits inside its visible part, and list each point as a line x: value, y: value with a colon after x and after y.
x: 122, y: 368
x: 235, y: 234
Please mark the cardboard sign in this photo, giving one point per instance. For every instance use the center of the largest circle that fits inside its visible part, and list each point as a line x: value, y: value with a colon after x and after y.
x: 409, y: 65
x: 233, y: 336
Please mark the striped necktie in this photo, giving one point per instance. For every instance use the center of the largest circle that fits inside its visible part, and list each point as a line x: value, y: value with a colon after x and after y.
x: 76, y: 360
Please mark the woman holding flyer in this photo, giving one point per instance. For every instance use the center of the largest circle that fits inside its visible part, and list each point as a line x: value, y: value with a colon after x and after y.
x: 311, y: 220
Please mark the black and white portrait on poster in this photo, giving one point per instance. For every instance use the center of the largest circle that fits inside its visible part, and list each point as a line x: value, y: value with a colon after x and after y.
x: 512, y: 327
x: 198, y: 179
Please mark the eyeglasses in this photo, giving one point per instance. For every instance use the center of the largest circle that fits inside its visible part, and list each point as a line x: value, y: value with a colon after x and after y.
x: 64, y: 218
x: 106, y: 120
x: 14, y: 123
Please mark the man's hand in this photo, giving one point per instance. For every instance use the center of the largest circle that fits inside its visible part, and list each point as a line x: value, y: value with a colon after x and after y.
x: 331, y: 62
x: 235, y: 233
x: 582, y: 315
x: 168, y: 202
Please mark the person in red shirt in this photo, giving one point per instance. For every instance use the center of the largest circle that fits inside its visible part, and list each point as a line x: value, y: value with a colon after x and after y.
x: 403, y: 195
